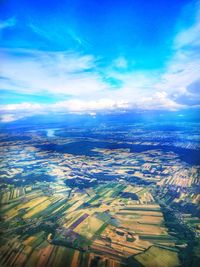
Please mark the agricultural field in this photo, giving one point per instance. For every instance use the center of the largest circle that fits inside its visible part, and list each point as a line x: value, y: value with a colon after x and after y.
x: 111, y: 207
x: 154, y: 256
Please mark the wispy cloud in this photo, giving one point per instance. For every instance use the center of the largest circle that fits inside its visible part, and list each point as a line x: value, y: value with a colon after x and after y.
x: 190, y: 37
x: 7, y: 23
x: 54, y: 35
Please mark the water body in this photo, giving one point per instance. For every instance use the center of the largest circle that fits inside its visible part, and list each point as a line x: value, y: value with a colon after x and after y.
x: 189, y: 156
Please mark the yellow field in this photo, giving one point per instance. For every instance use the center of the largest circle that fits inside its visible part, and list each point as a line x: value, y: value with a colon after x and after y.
x: 139, y: 218
x: 32, y: 203
x: 37, y: 209
x: 29, y: 240
x: 88, y: 227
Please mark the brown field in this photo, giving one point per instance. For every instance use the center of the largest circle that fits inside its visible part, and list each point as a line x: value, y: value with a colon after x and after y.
x: 75, y: 260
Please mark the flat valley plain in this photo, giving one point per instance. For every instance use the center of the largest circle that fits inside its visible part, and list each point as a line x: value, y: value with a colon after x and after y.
x: 101, y: 195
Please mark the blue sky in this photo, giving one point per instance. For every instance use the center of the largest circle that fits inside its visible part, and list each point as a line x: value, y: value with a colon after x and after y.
x: 92, y: 56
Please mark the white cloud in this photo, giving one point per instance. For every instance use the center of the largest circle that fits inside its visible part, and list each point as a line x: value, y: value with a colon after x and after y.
x: 10, y: 117
x: 22, y: 106
x: 50, y: 72
x: 13, y: 112
x: 160, y: 101
x: 97, y: 105
x: 74, y: 105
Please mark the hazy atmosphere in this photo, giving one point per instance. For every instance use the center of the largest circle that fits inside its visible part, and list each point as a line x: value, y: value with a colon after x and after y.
x: 100, y: 133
